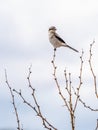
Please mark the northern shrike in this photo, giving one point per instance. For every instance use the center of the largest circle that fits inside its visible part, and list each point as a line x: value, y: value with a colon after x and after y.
x: 56, y: 40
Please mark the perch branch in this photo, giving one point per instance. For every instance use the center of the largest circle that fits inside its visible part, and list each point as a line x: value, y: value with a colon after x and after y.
x: 68, y: 104
x: 56, y: 81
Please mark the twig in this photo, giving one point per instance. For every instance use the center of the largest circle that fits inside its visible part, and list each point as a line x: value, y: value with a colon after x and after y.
x: 37, y: 109
x: 92, y: 109
x: 66, y: 79
x: 80, y: 81
x: 68, y: 88
x: 84, y: 104
x: 72, y: 113
x: 91, y: 68
x: 96, y: 125
x: 13, y: 102
x: 56, y: 81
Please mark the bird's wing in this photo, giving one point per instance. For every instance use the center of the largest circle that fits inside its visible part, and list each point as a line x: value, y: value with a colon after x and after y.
x: 59, y: 38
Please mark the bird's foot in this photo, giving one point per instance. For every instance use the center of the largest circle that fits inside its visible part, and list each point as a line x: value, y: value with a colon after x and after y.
x: 54, y: 49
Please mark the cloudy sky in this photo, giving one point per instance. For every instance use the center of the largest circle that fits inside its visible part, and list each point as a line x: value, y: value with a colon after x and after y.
x: 24, y: 41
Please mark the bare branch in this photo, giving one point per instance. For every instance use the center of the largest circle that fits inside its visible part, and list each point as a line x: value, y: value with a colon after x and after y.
x: 96, y: 125
x: 68, y: 104
x: 91, y: 68
x: 69, y: 101
x: 84, y: 104
x: 80, y: 81
x: 92, y: 109
x: 13, y: 102
x: 37, y: 109
x: 72, y: 113
x: 56, y: 81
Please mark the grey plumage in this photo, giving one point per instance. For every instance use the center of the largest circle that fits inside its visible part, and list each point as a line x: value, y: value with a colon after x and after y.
x: 56, y: 40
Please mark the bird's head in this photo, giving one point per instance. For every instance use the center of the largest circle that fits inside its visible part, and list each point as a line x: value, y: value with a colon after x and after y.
x: 52, y: 29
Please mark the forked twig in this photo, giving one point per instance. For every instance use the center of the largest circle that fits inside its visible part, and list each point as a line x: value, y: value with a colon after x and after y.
x: 68, y: 104
x: 36, y: 107
x: 13, y: 102
x: 84, y: 104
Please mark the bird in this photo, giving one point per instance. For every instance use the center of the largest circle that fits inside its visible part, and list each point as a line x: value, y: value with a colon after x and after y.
x: 56, y: 40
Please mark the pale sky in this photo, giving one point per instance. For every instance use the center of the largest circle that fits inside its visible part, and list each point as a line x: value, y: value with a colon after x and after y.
x: 24, y: 41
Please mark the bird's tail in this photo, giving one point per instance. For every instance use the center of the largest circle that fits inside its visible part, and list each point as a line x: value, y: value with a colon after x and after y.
x: 72, y: 48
